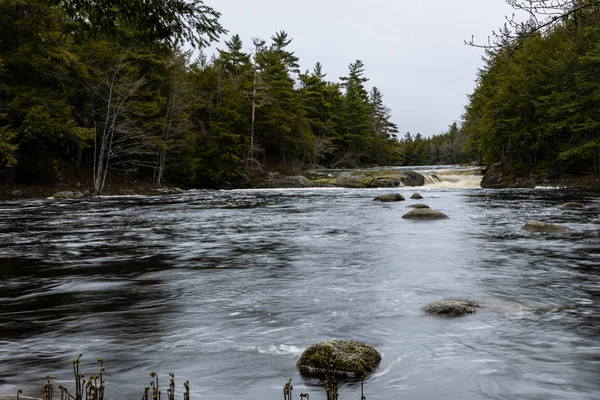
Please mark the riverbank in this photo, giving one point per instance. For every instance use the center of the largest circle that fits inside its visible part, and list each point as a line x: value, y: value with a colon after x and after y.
x: 501, y: 176
x: 378, y: 177
x: 78, y: 190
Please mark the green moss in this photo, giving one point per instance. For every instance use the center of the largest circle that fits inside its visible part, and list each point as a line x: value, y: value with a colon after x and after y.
x: 424, y: 214
x: 343, y: 358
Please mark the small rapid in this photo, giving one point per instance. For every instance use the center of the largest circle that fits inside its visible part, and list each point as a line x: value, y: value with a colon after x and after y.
x: 452, y: 178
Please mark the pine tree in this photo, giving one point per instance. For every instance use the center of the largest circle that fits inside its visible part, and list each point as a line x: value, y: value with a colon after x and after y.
x: 358, y: 129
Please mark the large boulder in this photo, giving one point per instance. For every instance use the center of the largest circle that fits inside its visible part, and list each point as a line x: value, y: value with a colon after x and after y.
x: 291, y: 182
x: 15, y: 194
x: 451, y: 308
x: 544, y: 227
x: 416, y: 196
x: 424, y: 214
x: 412, y: 178
x: 389, y: 197
x: 346, y: 358
x: 494, y: 176
x: 385, y: 182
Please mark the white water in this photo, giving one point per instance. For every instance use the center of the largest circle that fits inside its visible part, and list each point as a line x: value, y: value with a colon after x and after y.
x: 452, y: 178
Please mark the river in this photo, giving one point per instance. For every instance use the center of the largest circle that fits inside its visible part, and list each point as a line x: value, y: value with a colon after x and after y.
x: 226, y: 289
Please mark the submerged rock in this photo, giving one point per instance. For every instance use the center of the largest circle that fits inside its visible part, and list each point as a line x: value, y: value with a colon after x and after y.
x: 389, y: 197
x: 416, y: 196
x: 573, y: 204
x: 544, y: 227
x: 451, y: 308
x: 424, y: 214
x: 419, y: 206
x: 348, y: 359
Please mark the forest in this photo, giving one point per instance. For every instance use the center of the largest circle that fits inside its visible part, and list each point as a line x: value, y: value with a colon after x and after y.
x: 94, y: 90
x: 536, y: 105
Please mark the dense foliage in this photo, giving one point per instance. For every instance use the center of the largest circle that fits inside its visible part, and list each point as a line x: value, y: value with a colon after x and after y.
x: 89, y: 88
x: 448, y: 148
x: 537, y: 100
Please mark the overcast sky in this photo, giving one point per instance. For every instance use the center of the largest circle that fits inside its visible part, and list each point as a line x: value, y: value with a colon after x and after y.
x: 413, y: 50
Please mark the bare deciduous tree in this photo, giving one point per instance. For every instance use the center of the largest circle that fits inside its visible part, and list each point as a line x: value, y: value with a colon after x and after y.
x: 177, y: 115
x: 540, y: 16
x: 119, y: 141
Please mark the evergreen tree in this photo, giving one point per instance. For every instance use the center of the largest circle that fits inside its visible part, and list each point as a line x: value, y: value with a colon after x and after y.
x: 358, y: 129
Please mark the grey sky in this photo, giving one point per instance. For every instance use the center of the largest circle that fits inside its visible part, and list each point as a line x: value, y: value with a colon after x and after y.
x: 413, y: 50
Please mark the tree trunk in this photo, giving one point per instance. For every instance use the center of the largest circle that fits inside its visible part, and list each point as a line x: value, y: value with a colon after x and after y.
x: 11, y: 173
x: 79, y: 158
x: 253, y: 118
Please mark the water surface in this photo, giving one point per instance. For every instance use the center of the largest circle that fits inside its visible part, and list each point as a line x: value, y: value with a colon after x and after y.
x: 226, y: 288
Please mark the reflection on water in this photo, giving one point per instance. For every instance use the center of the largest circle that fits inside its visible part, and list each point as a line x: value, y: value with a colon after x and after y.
x: 227, y: 288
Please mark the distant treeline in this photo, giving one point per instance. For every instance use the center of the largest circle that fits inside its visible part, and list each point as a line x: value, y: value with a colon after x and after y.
x: 537, y: 101
x: 450, y: 147
x: 98, y: 87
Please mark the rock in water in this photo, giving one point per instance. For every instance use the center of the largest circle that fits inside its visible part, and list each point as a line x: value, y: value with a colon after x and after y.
x: 494, y: 176
x: 291, y: 182
x: 389, y: 197
x: 573, y: 204
x: 348, y: 358
x: 418, y: 205
x: 67, y: 194
x: 416, y: 196
x: 413, y: 178
x: 385, y: 182
x: 451, y: 308
x: 424, y: 214
x: 544, y: 227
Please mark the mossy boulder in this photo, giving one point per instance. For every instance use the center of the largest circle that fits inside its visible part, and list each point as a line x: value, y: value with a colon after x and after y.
x: 416, y: 196
x: 385, y: 182
x: 353, y: 182
x: 389, y: 197
x: 494, y: 176
x: 346, y: 358
x: 544, y: 227
x: 364, y: 178
x: 573, y: 205
x: 419, y: 206
x: 424, y: 214
x: 451, y: 308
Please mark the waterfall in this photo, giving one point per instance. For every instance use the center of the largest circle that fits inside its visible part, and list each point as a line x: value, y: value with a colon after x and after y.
x: 430, y: 177
x: 454, y: 177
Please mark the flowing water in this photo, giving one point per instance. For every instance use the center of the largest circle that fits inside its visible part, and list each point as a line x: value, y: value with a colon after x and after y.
x: 226, y: 288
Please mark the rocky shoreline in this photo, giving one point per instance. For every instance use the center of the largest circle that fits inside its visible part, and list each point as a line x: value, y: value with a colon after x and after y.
x: 346, y: 178
x: 79, y: 191
x: 499, y: 176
